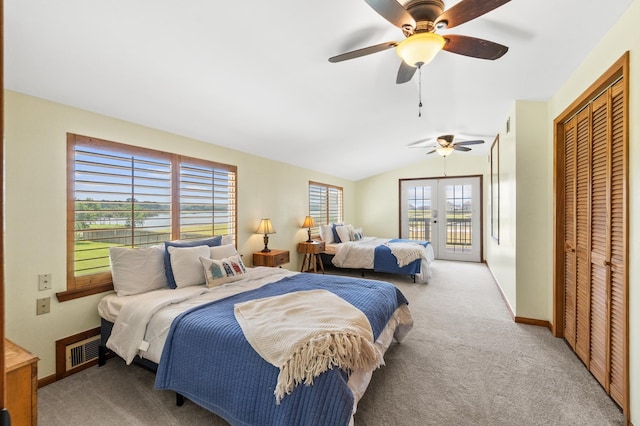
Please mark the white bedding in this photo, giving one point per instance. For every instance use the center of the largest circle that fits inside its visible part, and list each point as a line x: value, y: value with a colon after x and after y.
x: 360, y: 254
x: 142, y: 322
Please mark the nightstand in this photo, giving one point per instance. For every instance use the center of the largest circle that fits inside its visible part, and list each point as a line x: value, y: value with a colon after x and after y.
x: 21, y: 368
x: 311, y: 251
x: 271, y: 258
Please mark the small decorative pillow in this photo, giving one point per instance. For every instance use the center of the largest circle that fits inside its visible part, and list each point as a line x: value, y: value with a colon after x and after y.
x: 185, y: 263
x: 223, y: 251
x: 357, y: 234
x: 343, y: 233
x: 326, y: 234
x: 137, y: 270
x: 218, y: 272
x: 351, y: 231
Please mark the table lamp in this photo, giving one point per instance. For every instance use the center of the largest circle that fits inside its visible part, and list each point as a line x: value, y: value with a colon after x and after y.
x: 308, y: 223
x: 265, y: 228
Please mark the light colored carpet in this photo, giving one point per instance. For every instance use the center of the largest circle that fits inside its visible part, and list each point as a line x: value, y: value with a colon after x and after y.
x: 464, y: 363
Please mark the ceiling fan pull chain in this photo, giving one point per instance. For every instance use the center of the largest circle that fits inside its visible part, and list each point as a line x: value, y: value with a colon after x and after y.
x: 419, y: 90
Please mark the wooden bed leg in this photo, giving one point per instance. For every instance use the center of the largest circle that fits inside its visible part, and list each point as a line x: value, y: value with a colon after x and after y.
x: 179, y: 400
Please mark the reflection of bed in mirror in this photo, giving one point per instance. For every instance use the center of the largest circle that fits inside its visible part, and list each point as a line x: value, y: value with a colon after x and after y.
x: 346, y: 247
x: 203, y: 340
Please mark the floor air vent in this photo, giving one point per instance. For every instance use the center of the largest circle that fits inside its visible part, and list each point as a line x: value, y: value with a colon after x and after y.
x: 82, y: 352
x: 75, y: 353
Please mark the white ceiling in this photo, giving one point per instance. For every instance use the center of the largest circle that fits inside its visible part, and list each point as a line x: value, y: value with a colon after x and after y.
x: 253, y: 75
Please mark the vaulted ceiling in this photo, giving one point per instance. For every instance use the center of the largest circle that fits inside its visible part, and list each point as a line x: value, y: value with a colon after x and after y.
x: 254, y: 75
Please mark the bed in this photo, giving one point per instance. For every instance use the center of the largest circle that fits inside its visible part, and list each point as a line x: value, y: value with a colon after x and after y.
x: 396, y: 256
x: 202, y: 343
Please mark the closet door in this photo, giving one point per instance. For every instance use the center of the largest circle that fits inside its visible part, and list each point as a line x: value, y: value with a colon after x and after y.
x: 593, y: 230
x: 600, y: 236
x: 570, y: 233
x: 583, y: 294
x: 617, y: 263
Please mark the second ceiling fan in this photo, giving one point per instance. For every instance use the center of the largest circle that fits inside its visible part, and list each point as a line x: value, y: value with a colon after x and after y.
x: 419, y: 20
x: 445, y: 145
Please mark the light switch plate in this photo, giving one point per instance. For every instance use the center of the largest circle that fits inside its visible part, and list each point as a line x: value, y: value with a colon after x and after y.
x: 43, y: 306
x: 44, y: 282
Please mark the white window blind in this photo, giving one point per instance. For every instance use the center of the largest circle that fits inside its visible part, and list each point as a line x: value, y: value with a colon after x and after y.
x: 325, y: 204
x: 127, y: 196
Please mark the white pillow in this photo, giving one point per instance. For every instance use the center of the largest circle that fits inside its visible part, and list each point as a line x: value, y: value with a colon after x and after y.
x: 343, y: 233
x: 227, y: 239
x: 223, y: 251
x: 137, y: 270
x: 186, y: 266
x: 326, y: 234
x: 351, y: 231
x: 221, y: 271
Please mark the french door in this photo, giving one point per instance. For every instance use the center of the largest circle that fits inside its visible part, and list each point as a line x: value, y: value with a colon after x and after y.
x: 446, y: 212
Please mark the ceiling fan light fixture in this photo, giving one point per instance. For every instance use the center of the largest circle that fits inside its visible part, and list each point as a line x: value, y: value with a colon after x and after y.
x: 420, y: 48
x: 444, y: 150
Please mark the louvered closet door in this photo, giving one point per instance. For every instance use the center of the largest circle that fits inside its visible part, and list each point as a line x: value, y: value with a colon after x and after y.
x: 570, y: 233
x: 618, y: 253
x: 599, y: 293
x: 595, y: 292
x: 583, y: 294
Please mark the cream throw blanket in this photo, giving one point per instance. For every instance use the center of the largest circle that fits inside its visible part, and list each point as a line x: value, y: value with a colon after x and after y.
x: 406, y: 252
x: 305, y: 334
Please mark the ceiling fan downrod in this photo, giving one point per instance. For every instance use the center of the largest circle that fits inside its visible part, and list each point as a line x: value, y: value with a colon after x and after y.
x: 419, y: 64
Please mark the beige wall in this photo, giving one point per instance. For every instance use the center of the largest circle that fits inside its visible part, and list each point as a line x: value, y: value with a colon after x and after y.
x: 624, y: 36
x: 35, y: 194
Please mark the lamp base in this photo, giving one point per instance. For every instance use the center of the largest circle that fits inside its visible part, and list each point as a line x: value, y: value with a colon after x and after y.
x: 266, y: 241
x: 265, y: 250
x: 309, y: 234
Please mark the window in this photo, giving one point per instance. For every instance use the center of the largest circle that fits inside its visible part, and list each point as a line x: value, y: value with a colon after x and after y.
x: 325, y: 204
x: 121, y: 195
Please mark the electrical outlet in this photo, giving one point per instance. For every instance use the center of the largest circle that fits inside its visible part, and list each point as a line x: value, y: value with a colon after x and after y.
x: 43, y: 306
x: 44, y: 282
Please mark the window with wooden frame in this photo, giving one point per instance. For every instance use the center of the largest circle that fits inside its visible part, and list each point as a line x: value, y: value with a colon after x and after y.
x: 325, y: 204
x: 127, y: 196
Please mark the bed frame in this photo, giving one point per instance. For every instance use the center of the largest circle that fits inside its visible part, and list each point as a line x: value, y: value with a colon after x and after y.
x: 104, y: 353
x: 412, y: 269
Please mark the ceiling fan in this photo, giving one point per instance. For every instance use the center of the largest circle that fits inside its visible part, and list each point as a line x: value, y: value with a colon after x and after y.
x: 445, y: 145
x: 419, y: 20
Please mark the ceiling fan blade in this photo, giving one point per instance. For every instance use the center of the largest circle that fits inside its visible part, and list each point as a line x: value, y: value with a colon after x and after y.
x: 393, y: 12
x: 469, y: 142
x: 474, y: 47
x: 467, y: 10
x: 461, y: 148
x: 364, y: 51
x: 431, y: 152
x: 405, y: 73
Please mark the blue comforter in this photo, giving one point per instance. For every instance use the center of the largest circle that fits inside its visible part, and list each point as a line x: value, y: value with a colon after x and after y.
x: 207, y: 359
x: 385, y: 261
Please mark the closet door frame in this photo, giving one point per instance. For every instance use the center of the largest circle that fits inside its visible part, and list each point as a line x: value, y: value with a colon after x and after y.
x: 619, y: 69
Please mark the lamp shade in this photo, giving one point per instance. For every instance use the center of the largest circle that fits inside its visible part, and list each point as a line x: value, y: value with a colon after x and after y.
x: 420, y: 48
x: 444, y: 150
x: 308, y: 222
x: 265, y: 227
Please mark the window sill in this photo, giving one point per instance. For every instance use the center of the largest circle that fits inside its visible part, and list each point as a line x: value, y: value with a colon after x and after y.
x: 65, y: 296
